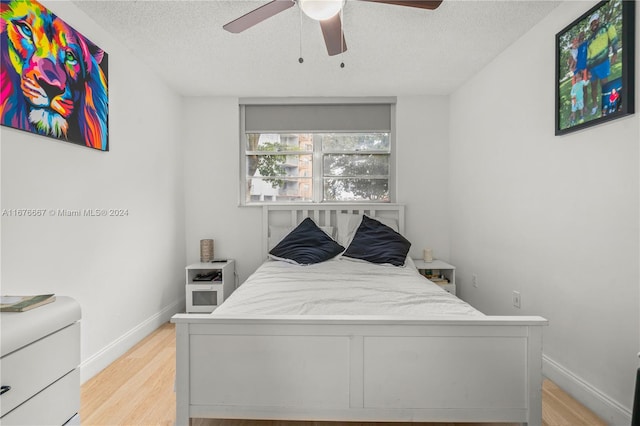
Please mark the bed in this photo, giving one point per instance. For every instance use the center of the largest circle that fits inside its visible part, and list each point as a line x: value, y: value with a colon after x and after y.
x: 289, y: 344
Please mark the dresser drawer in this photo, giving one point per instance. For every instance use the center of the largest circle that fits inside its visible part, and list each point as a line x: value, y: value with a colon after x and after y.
x: 32, y: 368
x: 53, y: 406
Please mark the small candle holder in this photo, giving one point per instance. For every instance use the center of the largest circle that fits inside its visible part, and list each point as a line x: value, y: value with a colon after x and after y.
x: 427, y: 255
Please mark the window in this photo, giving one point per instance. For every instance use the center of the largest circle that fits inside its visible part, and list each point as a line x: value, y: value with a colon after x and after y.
x: 316, y: 153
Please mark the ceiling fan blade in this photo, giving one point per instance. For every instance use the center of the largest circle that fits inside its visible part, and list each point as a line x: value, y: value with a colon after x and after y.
x: 420, y: 4
x: 258, y: 15
x: 333, y: 36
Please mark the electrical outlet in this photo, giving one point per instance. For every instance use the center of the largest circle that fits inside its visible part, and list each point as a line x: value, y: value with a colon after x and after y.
x: 516, y: 299
x: 474, y: 280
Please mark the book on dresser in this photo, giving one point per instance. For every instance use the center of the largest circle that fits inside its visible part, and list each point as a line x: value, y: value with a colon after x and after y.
x: 24, y: 303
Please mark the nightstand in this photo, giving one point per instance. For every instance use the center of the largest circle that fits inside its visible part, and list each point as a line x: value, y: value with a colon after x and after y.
x: 439, y: 267
x: 208, y: 285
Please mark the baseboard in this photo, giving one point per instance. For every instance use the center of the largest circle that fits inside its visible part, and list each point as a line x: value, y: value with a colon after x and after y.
x: 597, y: 401
x: 98, y: 361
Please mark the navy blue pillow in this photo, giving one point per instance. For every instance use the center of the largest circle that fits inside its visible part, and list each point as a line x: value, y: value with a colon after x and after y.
x: 307, y: 244
x: 377, y: 243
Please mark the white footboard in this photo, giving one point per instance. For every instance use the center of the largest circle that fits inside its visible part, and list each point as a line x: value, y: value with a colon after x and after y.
x: 485, y: 369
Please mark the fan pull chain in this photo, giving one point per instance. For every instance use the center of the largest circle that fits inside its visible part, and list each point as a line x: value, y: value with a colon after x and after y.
x: 342, y: 34
x: 300, y: 59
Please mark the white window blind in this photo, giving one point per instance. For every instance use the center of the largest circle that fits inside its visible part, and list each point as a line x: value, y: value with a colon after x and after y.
x: 318, y: 118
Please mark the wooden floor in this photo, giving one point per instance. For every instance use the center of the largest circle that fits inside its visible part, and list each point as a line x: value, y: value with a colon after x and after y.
x: 137, y: 389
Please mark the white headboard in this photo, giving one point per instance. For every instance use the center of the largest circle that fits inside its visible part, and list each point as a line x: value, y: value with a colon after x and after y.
x: 323, y: 215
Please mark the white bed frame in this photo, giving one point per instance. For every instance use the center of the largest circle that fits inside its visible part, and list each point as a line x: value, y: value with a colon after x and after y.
x: 363, y: 368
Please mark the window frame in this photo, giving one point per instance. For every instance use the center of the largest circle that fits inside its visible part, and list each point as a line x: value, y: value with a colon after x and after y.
x: 317, y: 180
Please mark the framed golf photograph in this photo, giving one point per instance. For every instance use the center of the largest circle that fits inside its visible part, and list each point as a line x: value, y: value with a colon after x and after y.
x: 595, y: 67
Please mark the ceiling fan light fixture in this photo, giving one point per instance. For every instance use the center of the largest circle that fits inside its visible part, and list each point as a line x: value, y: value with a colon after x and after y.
x: 321, y: 9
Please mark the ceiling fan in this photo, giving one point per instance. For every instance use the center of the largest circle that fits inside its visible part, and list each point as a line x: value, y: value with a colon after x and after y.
x: 327, y: 12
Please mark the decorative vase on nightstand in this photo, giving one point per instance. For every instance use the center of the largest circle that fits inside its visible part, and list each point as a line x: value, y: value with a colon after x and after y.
x: 206, y: 251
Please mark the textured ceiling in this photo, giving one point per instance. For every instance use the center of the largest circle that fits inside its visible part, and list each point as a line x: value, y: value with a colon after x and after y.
x: 392, y: 50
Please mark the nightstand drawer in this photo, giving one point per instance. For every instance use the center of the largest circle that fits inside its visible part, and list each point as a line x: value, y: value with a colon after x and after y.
x: 203, y: 297
x: 33, y: 367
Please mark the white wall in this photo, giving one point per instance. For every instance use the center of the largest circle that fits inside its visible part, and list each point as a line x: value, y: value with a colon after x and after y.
x: 126, y: 272
x: 555, y: 218
x: 212, y: 172
x: 423, y: 171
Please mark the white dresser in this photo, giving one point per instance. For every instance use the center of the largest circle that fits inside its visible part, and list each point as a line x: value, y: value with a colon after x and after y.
x: 40, y: 352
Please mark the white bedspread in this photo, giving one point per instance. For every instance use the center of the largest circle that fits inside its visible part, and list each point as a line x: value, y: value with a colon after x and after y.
x: 341, y: 287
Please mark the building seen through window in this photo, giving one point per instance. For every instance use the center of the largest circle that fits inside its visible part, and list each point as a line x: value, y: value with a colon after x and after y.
x: 317, y: 167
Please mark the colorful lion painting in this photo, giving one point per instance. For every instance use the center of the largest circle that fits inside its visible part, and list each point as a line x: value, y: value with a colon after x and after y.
x: 53, y: 80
